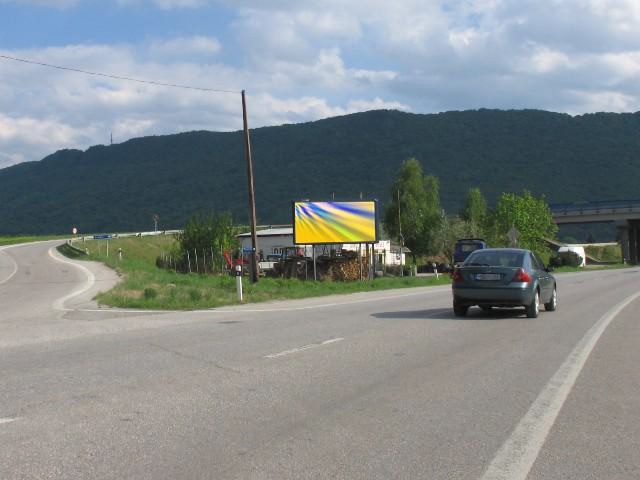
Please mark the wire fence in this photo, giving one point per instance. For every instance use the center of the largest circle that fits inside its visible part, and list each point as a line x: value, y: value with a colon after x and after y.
x: 198, y: 260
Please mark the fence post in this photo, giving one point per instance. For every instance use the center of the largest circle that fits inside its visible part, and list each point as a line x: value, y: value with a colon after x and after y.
x: 239, y: 281
x: 189, y: 261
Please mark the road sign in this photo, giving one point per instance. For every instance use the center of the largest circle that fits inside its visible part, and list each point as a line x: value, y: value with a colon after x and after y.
x: 74, y: 230
x: 513, y: 235
x: 101, y: 237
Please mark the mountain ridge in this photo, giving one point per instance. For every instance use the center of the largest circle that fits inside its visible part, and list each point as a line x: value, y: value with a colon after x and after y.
x: 119, y: 187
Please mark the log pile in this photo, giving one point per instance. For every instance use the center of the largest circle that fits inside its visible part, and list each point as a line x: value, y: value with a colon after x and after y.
x: 346, y: 269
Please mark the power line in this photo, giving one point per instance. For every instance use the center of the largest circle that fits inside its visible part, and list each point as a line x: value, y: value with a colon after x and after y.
x: 116, y: 77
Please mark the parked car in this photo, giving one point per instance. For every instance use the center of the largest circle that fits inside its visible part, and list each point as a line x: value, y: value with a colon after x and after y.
x: 503, y: 277
x: 463, y: 248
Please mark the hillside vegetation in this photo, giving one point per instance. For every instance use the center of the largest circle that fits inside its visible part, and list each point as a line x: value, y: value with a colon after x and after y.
x: 120, y: 187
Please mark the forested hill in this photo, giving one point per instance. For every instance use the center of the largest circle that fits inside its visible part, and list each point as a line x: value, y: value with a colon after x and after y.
x: 120, y: 187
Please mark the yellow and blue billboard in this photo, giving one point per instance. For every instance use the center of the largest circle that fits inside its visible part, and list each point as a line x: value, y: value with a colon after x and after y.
x: 335, y: 222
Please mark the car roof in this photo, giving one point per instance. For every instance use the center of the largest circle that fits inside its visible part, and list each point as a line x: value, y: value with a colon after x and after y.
x: 507, y: 250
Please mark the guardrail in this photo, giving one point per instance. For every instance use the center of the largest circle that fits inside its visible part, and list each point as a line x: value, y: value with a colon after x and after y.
x: 589, y: 208
x: 113, y: 236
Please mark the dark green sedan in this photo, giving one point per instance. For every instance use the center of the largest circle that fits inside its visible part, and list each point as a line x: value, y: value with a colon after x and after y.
x: 503, y: 277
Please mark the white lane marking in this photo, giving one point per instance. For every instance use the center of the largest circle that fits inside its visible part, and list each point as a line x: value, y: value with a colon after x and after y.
x: 91, y: 280
x: 15, y: 267
x: 8, y: 420
x: 518, y: 454
x: 284, y: 309
x: 334, y: 304
x: 305, y: 347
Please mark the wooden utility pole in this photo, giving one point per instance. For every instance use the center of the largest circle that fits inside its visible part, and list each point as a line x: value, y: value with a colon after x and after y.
x: 401, y: 237
x: 252, y: 201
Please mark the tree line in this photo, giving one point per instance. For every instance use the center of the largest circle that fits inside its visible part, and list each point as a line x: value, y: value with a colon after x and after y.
x: 415, y: 217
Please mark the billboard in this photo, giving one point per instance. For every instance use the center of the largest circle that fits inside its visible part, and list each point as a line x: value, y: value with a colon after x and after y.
x: 335, y: 222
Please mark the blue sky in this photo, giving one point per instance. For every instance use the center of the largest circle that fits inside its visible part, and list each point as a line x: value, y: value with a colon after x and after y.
x: 300, y: 61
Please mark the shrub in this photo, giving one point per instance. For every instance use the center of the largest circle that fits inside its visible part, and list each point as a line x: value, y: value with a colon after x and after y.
x: 150, y: 293
x: 566, y: 259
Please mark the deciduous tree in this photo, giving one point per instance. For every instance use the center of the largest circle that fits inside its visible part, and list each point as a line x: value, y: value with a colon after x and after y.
x: 532, y: 218
x: 414, y: 210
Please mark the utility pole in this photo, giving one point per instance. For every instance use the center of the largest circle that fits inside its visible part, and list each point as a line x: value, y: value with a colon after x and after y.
x: 401, y: 237
x: 252, y: 201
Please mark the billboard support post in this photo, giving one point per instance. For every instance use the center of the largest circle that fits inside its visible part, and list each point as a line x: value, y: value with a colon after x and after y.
x: 313, y: 254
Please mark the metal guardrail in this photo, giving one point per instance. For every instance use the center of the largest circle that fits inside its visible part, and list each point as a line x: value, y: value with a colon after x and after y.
x: 589, y: 208
x: 113, y: 236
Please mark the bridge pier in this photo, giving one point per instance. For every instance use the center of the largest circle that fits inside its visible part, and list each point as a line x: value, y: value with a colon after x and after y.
x: 625, y: 213
x: 629, y: 234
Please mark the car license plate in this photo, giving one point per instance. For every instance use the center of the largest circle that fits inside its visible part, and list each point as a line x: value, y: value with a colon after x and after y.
x: 487, y: 276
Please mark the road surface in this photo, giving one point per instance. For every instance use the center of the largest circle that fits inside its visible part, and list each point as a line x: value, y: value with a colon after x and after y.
x: 376, y: 385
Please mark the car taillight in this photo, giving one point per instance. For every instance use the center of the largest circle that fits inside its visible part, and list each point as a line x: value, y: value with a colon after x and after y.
x: 456, y: 276
x: 521, y: 276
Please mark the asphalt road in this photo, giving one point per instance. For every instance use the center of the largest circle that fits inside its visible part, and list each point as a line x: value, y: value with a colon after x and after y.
x: 362, y: 386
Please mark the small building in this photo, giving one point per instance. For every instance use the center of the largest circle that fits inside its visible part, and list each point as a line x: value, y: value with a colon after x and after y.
x: 272, y: 241
x: 390, y: 253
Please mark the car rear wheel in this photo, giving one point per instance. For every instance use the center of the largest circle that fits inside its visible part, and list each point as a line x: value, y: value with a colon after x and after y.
x: 553, y: 302
x: 460, y: 310
x: 533, y: 309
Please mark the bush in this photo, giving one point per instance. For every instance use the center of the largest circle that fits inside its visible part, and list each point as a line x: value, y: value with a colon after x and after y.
x: 566, y: 259
x: 150, y: 293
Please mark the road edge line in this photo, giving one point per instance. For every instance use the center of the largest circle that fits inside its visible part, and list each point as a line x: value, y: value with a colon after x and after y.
x: 516, y: 456
x: 15, y: 265
x: 90, y: 282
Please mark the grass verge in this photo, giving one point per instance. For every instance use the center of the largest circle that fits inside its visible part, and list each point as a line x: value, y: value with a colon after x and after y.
x: 145, y: 286
x: 27, y: 239
x: 590, y: 268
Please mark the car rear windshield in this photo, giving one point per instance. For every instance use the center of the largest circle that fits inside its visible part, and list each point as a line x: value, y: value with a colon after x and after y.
x: 495, y: 259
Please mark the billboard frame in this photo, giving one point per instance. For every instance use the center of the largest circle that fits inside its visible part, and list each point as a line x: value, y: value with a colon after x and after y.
x: 376, y: 220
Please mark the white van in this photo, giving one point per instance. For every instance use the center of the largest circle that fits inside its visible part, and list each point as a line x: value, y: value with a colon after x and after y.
x: 575, y: 249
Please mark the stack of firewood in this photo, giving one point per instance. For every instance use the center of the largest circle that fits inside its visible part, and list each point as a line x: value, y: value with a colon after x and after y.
x: 347, y: 270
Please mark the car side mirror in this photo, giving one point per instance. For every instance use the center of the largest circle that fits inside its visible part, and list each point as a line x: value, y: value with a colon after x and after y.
x: 549, y: 268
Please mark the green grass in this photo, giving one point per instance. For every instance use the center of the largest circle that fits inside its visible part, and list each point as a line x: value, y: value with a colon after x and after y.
x: 27, y: 239
x: 609, y: 253
x: 145, y: 286
x: 588, y: 268
x: 71, y: 252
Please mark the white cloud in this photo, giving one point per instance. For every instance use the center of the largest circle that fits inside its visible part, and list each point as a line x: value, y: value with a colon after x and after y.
x: 185, y: 46
x: 37, y: 136
x: 302, y: 61
x: 167, y: 4
x: 604, y: 101
x: 542, y: 61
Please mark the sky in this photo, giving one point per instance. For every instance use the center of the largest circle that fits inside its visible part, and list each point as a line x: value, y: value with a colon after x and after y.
x: 299, y: 61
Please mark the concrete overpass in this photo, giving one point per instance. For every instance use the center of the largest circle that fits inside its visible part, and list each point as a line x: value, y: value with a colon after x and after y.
x: 624, y: 213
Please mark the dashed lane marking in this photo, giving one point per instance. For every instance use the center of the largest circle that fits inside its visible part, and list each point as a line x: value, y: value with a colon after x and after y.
x: 304, y: 347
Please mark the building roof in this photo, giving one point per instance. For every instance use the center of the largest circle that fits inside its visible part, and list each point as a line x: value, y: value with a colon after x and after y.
x: 270, y: 232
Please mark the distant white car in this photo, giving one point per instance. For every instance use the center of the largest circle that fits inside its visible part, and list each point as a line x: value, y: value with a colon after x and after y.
x: 578, y: 251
